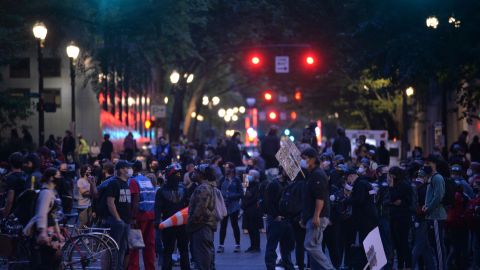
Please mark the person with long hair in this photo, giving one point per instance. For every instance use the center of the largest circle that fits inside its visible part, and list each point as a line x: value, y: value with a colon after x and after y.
x: 400, y: 215
x: 47, y: 239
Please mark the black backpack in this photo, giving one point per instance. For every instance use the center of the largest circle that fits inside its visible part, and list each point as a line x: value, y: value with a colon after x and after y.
x: 450, y: 189
x: 25, y: 206
x: 291, y: 201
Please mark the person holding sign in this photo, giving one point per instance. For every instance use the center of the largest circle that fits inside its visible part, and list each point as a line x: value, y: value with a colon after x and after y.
x: 316, y: 209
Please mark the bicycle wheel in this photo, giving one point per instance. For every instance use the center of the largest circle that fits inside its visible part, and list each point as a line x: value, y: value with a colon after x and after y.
x: 87, y: 252
x: 112, y: 245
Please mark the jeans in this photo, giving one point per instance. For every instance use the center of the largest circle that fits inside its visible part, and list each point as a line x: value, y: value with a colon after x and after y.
x: 202, y: 247
x: 386, y: 235
x: 159, y: 246
x: 332, y: 241
x: 421, y: 248
x: 436, y: 235
x: 172, y: 236
x: 119, y: 232
x: 236, y: 230
x: 313, y: 245
x: 279, y: 231
x: 85, y: 216
x: 458, y: 238
x: 146, y: 226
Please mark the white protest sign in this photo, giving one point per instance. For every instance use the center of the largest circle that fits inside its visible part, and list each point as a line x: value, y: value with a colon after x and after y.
x: 374, y: 250
x: 289, y: 157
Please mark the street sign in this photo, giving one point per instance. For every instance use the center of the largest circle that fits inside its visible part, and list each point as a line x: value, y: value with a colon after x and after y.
x: 282, y: 64
x: 159, y: 111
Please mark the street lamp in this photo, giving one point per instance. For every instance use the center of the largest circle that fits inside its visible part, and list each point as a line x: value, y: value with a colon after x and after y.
x: 432, y: 22
x: 409, y: 91
x: 190, y: 78
x: 40, y: 33
x: 222, y: 113
x: 405, y: 94
x: 215, y: 101
x: 174, y: 77
x: 72, y: 52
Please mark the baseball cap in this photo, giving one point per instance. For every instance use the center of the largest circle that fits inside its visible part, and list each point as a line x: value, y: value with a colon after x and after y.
x: 122, y: 164
x: 456, y: 168
x: 339, y: 158
x: 310, y: 153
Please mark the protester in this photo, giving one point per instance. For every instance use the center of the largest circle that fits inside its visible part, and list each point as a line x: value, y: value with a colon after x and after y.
x: 270, y: 145
x: 383, y: 155
x: 119, y: 205
x: 170, y: 199
x: 83, y: 150
x: 31, y: 166
x: 316, y: 209
x: 251, y: 210
x: 94, y: 151
x: 44, y: 227
x: 201, y: 219
x: 232, y: 190
x: 68, y: 145
x: 143, y: 199
x: 87, y: 189
x: 106, y: 149
x: 15, y: 183
x: 129, y: 146
x: 163, y: 153
x: 341, y: 145
x: 233, y: 153
x: 474, y: 149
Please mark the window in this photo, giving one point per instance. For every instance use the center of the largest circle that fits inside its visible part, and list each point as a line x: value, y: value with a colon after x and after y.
x: 19, y: 93
x: 51, y: 67
x: 52, y: 96
x: 20, y: 68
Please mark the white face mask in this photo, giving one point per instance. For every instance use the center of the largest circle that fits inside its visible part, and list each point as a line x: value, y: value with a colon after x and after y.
x: 469, y: 172
x: 303, y: 164
x: 326, y: 163
x: 129, y: 172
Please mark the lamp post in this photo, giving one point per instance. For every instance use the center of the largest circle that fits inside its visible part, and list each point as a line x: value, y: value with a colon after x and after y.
x: 180, y: 87
x: 72, y: 52
x: 405, y: 95
x: 40, y: 33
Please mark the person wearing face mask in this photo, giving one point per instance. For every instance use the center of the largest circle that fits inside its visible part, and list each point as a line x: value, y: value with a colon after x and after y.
x: 364, y: 214
x: 326, y: 164
x: 86, y: 189
x: 119, y: 204
x: 143, y: 198
x: 434, y: 210
x: 382, y: 203
x: 400, y: 215
x: 316, y: 209
x: 251, y: 210
x: 170, y: 199
x: 44, y: 225
x: 232, y: 190
x: 164, y: 153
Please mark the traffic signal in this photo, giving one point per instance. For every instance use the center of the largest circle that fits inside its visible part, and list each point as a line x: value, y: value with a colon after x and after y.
x: 293, y: 115
x: 310, y: 60
x: 298, y: 96
x: 272, y: 116
x: 268, y: 96
x: 148, y: 124
x: 255, y: 60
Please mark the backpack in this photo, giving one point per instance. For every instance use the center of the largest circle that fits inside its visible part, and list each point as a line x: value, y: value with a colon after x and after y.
x: 220, y: 208
x: 25, y: 207
x: 291, y: 200
x: 450, y: 189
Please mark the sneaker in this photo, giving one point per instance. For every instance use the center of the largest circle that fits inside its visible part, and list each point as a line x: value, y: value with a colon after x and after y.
x: 220, y: 249
x: 237, y: 249
x: 255, y: 250
x: 248, y: 250
x: 245, y: 231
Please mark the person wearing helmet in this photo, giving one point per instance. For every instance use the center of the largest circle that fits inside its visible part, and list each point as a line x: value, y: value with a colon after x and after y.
x: 170, y: 199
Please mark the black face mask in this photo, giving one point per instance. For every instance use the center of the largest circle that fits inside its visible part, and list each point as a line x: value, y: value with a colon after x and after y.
x: 27, y: 169
x: 57, y: 180
x: 428, y: 170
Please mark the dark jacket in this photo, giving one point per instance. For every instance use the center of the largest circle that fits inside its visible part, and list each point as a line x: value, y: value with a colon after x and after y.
x: 250, y: 205
x: 383, y: 156
x: 270, y: 146
x: 364, y: 214
x: 272, y: 195
x: 232, y: 192
x: 233, y: 153
x: 342, y: 146
x: 400, y: 191
x: 168, y: 201
x: 106, y: 149
x: 68, y: 146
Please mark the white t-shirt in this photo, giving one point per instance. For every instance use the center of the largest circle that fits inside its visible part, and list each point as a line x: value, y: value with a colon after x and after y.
x: 83, y: 185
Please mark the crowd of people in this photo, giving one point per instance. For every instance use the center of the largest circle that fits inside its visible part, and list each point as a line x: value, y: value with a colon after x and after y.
x: 427, y: 208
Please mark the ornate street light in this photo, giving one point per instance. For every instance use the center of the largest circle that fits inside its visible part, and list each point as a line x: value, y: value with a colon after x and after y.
x: 40, y: 33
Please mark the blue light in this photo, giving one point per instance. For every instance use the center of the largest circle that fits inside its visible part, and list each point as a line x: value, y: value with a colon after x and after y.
x: 292, y: 138
x: 287, y: 132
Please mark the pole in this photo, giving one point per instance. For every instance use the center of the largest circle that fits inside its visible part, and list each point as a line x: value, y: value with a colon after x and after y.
x: 72, y: 84
x: 41, y: 109
x: 405, y: 126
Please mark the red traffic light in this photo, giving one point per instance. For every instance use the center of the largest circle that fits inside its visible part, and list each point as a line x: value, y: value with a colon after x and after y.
x: 268, y: 96
x: 310, y: 60
x: 298, y: 95
x: 293, y: 115
x: 255, y: 60
x: 272, y: 116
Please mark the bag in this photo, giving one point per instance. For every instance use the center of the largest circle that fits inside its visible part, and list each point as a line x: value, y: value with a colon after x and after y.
x: 135, y: 239
x: 25, y: 207
x: 450, y: 189
x: 291, y: 200
x: 220, y: 208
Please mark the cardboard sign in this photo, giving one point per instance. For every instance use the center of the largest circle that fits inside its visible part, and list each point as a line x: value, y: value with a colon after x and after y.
x: 289, y: 157
x: 373, y: 247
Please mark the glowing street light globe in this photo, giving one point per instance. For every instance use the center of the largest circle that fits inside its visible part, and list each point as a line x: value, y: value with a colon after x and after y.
x: 241, y: 109
x: 432, y: 22
x: 215, y: 101
x: 39, y: 31
x: 73, y: 51
x: 190, y: 78
x: 174, y: 77
x: 222, y: 113
x: 409, y: 91
x: 234, y: 118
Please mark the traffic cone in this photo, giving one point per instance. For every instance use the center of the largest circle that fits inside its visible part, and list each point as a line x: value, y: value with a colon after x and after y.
x: 180, y: 218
